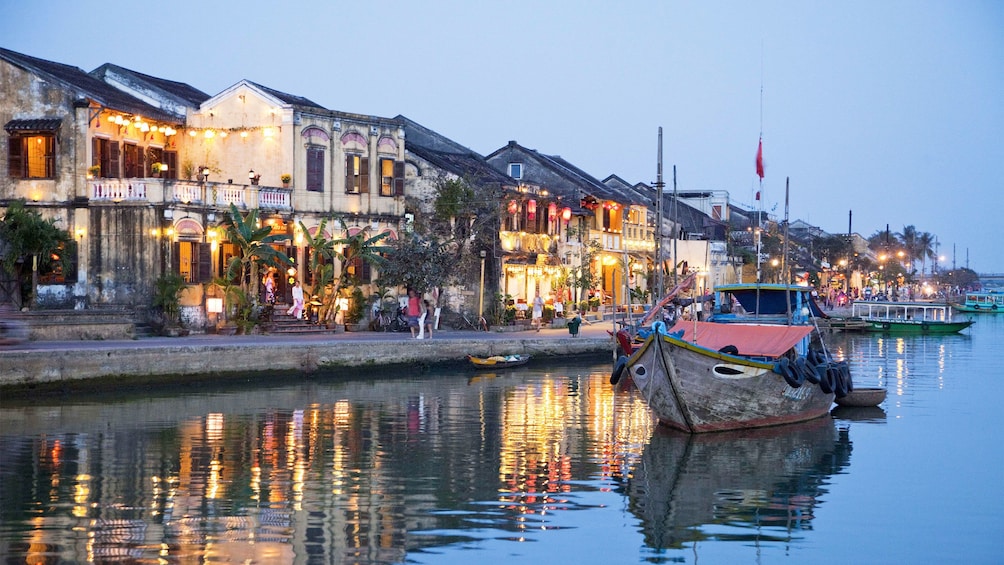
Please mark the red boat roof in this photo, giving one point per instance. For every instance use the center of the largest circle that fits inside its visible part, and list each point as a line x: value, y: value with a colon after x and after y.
x: 750, y: 339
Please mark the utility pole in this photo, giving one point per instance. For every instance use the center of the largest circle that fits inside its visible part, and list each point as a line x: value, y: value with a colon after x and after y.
x: 659, y: 286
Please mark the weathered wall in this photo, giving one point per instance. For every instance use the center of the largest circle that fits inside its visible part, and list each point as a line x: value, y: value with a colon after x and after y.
x: 156, y: 362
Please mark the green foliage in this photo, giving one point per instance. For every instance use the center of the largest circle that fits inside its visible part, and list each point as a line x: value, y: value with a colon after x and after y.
x: 357, y: 306
x: 360, y: 246
x: 453, y: 199
x: 167, y: 295
x: 254, y: 250
x: 416, y: 263
x: 26, y: 237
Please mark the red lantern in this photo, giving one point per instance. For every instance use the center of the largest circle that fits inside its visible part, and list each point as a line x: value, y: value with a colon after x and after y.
x: 552, y: 211
x: 512, y: 207
x: 531, y: 209
x: 566, y: 214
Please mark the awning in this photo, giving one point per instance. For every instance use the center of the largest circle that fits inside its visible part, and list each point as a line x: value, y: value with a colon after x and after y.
x: 35, y: 124
x: 750, y: 339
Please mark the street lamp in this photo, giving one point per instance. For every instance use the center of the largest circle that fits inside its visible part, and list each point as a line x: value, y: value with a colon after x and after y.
x: 481, y: 298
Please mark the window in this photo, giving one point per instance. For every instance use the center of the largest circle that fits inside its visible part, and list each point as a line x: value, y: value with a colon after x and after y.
x: 516, y: 170
x: 31, y: 151
x: 171, y: 160
x: 32, y: 155
x: 315, y: 169
x: 357, y: 178
x: 132, y: 161
x: 193, y: 261
x: 105, y: 154
x: 386, y: 177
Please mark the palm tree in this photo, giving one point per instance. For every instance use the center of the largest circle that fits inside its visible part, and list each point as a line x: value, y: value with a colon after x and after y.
x: 925, y: 249
x: 253, y: 244
x: 349, y: 250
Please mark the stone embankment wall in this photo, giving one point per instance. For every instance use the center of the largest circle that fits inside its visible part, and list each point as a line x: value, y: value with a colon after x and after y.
x: 96, y: 363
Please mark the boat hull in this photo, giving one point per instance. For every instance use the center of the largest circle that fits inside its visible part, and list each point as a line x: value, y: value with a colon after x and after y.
x: 917, y: 326
x: 498, y: 361
x: 698, y: 390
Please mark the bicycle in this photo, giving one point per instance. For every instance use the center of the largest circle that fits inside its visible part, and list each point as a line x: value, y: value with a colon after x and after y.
x: 465, y: 323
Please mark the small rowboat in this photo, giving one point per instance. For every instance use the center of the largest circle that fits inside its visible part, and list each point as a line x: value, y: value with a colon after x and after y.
x: 499, y: 361
x: 862, y: 396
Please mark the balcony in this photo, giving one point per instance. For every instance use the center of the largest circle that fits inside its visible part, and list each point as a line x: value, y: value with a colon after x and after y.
x: 210, y: 194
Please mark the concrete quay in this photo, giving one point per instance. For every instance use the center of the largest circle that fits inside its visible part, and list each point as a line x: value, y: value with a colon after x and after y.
x: 39, y: 366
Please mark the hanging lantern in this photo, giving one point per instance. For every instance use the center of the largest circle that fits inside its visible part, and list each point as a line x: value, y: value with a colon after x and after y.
x: 552, y: 211
x: 531, y: 208
x: 513, y: 208
x: 566, y: 214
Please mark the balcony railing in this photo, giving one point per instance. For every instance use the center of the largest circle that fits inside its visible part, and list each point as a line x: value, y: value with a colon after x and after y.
x: 211, y: 194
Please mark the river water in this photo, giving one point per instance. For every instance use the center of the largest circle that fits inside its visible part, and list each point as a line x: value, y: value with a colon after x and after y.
x: 543, y: 464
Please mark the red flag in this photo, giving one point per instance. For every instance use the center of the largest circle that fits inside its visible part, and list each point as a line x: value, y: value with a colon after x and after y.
x: 759, y: 159
x: 758, y: 194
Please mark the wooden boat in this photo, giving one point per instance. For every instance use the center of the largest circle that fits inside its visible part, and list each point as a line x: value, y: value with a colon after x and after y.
x: 766, y: 303
x: 909, y: 317
x: 707, y: 376
x: 499, y: 361
x: 847, y: 324
x: 986, y: 302
x: 863, y: 397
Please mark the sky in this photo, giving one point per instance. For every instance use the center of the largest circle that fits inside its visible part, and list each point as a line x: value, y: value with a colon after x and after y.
x: 873, y: 112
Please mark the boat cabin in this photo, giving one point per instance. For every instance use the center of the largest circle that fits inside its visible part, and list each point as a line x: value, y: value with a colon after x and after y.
x: 766, y: 303
x: 923, y: 311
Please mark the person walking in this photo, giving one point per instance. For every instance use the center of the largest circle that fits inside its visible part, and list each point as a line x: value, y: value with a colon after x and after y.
x: 269, y: 287
x: 297, y: 308
x: 538, y: 312
x: 429, y: 321
x: 414, y: 311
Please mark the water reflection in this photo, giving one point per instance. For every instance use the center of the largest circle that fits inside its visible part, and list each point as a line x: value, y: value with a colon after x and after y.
x: 754, y: 485
x: 364, y: 471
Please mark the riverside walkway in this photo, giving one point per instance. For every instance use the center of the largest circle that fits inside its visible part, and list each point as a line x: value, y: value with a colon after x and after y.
x: 40, y: 365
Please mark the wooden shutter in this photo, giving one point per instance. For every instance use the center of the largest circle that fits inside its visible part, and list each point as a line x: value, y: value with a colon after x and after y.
x: 15, y: 157
x: 315, y: 169
x: 50, y: 156
x: 113, y: 161
x: 364, y: 175
x: 349, y: 173
x: 176, y: 257
x: 398, y: 178
x: 205, y: 264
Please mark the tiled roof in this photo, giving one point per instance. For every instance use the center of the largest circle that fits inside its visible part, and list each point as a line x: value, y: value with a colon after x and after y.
x: 84, y: 85
x: 288, y: 98
x: 180, y: 90
x: 36, y: 124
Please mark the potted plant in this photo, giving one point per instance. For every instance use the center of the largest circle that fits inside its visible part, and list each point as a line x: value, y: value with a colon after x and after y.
x: 286, y: 178
x: 94, y: 171
x: 156, y: 168
x: 356, y: 310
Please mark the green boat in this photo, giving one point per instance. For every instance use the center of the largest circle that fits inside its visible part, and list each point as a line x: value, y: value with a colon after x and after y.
x: 987, y: 302
x: 909, y: 317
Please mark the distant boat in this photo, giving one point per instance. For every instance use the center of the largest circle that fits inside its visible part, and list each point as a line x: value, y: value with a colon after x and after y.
x: 862, y: 397
x: 985, y: 302
x: 908, y: 317
x: 499, y: 361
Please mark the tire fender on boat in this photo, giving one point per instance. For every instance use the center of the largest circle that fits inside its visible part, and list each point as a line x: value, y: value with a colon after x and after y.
x: 787, y: 370
x: 840, y: 383
x: 886, y: 325
x: 615, y: 375
x: 845, y: 371
x: 828, y: 380
x: 730, y: 349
